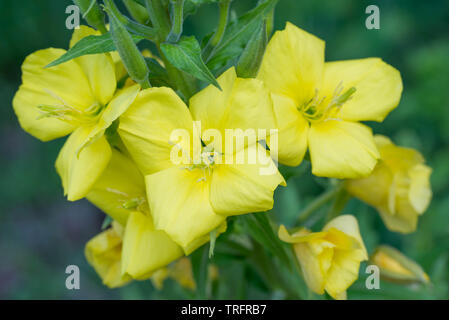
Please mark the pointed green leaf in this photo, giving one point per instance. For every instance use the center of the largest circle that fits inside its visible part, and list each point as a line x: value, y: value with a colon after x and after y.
x: 186, y: 56
x: 89, y: 45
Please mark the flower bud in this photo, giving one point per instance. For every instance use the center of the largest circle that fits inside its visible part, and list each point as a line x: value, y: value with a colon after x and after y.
x: 92, y: 13
x: 251, y: 58
x: 396, y: 267
x: 130, y: 55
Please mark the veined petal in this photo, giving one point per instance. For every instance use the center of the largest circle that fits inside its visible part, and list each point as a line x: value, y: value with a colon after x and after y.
x: 99, y: 68
x: 244, y: 104
x: 293, y: 64
x: 341, y: 149
x: 64, y: 85
x: 292, y: 132
x: 179, y: 203
x: 147, y: 128
x: 80, y: 170
x: 246, y: 185
x: 378, y: 87
x: 146, y: 249
x: 119, y: 188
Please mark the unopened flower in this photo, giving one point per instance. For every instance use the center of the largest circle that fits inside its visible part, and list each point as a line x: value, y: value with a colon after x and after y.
x: 319, y: 104
x: 399, y: 187
x: 396, y: 267
x: 180, y: 271
x: 329, y: 259
x: 79, y: 98
x: 191, y: 198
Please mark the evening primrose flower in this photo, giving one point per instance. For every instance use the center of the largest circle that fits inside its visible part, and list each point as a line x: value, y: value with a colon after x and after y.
x: 399, y: 187
x: 79, y: 98
x: 319, y: 104
x: 120, y: 193
x: 329, y: 259
x: 190, y: 198
x: 104, y: 254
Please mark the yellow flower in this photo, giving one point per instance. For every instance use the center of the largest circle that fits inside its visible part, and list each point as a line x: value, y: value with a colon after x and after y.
x: 329, y: 259
x: 190, y: 199
x: 104, y: 254
x: 396, y: 267
x: 180, y: 271
x: 79, y: 98
x: 399, y: 187
x: 319, y: 104
x: 120, y: 192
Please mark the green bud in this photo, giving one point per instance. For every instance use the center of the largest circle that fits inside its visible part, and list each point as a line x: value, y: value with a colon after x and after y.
x: 138, y: 12
x: 251, y: 58
x: 92, y: 14
x: 396, y: 267
x: 131, y: 57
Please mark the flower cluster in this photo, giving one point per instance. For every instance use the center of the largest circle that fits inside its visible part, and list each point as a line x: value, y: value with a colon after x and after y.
x: 169, y: 174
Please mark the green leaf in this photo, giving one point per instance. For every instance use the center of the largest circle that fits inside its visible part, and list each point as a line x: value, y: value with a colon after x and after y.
x: 261, y: 230
x: 89, y: 45
x: 238, y: 34
x: 186, y: 56
x: 200, y: 268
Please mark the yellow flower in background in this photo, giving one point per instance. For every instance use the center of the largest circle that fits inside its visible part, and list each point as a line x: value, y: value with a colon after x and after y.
x: 79, y: 98
x: 329, y: 259
x: 319, y: 104
x: 396, y: 267
x: 399, y: 187
x: 180, y: 271
x: 120, y: 193
x: 104, y: 254
x: 190, y: 199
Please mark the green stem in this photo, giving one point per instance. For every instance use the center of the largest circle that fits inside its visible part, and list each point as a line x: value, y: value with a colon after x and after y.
x: 159, y: 18
x: 208, y: 51
x: 178, y: 19
x: 318, y: 203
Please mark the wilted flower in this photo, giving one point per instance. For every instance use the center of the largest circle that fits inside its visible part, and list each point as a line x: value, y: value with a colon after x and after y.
x: 329, y: 259
x: 399, y: 187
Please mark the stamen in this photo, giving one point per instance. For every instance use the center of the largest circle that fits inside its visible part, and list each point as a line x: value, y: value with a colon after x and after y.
x: 316, y: 109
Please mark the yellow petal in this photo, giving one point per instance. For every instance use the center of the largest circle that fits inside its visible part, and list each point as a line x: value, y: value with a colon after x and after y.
x: 65, y: 84
x: 118, y: 105
x: 119, y: 187
x: 310, y: 266
x: 179, y: 203
x: 378, y: 87
x: 104, y: 252
x: 349, y: 226
x: 80, y: 170
x: 293, y: 64
x: 341, y: 149
x: 147, y: 126
x: 342, y: 274
x: 242, y: 104
x: 301, y: 236
x: 146, y: 249
x: 240, y: 188
x: 99, y: 68
x: 292, y: 132
x: 420, y: 192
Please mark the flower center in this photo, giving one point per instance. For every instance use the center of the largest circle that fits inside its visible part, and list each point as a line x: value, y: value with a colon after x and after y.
x: 322, y: 108
x: 205, y: 162
x: 67, y: 113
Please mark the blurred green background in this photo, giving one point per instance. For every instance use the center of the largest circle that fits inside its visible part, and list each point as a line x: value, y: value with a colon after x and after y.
x: 41, y: 233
